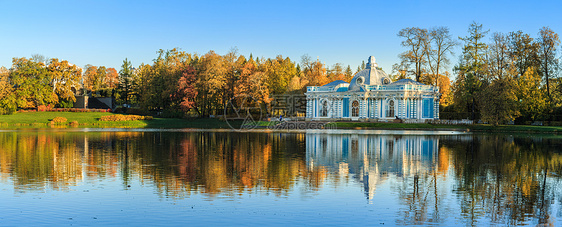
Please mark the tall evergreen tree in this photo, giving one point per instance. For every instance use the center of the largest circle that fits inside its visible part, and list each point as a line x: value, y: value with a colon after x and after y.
x: 471, y: 68
x: 126, y: 81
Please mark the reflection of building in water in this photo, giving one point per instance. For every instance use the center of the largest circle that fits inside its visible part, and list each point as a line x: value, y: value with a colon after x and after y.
x: 371, y: 159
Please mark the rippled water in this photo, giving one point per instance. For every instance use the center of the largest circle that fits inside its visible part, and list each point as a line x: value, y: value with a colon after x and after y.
x: 201, y: 177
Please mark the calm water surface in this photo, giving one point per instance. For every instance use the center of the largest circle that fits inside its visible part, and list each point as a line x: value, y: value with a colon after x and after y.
x: 150, y: 177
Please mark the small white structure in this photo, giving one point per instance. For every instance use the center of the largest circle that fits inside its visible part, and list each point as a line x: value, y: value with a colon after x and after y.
x: 371, y: 94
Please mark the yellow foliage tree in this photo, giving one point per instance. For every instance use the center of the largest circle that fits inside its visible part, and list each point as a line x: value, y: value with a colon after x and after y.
x: 532, y: 99
x: 64, y: 78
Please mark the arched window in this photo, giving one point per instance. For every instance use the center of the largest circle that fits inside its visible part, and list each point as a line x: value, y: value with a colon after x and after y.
x: 390, y: 109
x: 355, y: 109
x: 324, y: 109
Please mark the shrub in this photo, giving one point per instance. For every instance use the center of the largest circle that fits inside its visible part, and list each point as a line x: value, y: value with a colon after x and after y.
x: 120, y: 117
x: 74, y: 123
x: 58, y: 120
x: 7, y: 110
x: 42, y: 108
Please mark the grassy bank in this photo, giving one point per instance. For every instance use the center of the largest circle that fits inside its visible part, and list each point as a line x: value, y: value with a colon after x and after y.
x: 91, y: 120
x: 473, y: 128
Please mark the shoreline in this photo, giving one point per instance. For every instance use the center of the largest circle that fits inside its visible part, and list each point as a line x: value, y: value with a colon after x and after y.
x: 91, y: 120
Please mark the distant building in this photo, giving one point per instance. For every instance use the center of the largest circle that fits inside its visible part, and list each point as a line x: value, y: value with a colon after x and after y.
x: 371, y: 94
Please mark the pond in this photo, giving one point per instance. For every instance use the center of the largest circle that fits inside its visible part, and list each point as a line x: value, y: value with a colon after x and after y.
x: 92, y: 177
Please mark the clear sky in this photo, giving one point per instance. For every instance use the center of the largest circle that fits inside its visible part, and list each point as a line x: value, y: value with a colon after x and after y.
x: 106, y: 32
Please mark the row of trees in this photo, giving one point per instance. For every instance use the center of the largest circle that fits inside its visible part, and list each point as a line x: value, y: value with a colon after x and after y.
x: 176, y: 82
x: 180, y: 82
x: 511, y: 76
x: 498, y: 79
x: 31, y: 83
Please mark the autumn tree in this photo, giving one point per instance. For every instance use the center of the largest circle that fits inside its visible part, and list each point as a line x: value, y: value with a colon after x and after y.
x: 499, y: 65
x: 415, y: 41
x: 297, y: 84
x: 336, y: 72
x: 399, y: 71
x: 314, y: 72
x: 253, y: 83
x: 533, y: 100
x: 160, y: 82
x: 101, y: 74
x: 32, y: 83
x: 444, y: 84
x: 523, y: 51
x: 498, y: 101
x: 186, y: 92
x: 7, y: 95
x: 91, y: 78
x: 211, y: 81
x: 64, y: 80
x: 439, y: 46
x: 232, y: 63
x: 548, y: 43
x: 111, y: 78
x: 500, y: 106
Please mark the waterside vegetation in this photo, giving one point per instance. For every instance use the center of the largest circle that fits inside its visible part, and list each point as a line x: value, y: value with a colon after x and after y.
x: 96, y: 120
x: 499, y: 78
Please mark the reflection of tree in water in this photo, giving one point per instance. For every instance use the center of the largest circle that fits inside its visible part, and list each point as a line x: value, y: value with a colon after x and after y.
x: 177, y: 164
x: 38, y: 161
x: 422, y: 193
x: 508, y: 180
x: 498, y: 179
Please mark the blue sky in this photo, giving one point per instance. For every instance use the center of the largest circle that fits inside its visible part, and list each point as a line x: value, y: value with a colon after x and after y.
x: 348, y: 32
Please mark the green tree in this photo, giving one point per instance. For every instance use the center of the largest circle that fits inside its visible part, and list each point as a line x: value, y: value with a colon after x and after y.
x: 32, y: 83
x: 126, y: 82
x: 99, y: 83
x: 7, y: 95
x: 348, y: 74
x: 279, y: 72
x: 500, y: 105
x: 533, y: 101
x: 471, y: 68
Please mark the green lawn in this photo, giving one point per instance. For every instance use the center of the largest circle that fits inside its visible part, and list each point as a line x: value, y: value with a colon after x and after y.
x: 91, y: 119
x: 476, y: 128
x: 46, y: 117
